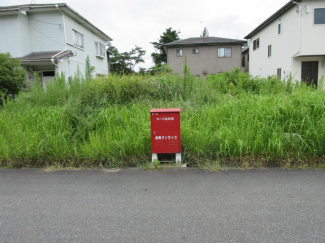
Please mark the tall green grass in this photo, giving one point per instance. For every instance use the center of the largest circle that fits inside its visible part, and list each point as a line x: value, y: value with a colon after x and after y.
x: 230, y: 117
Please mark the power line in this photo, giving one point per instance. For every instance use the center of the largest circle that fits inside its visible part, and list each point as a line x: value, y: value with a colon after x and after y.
x: 44, y: 22
x: 46, y: 35
x: 41, y: 32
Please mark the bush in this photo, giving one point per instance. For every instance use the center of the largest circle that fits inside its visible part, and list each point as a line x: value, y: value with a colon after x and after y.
x: 12, y: 76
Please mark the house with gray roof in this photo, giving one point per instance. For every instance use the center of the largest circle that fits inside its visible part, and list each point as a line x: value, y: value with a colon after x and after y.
x: 51, y: 39
x: 205, y: 55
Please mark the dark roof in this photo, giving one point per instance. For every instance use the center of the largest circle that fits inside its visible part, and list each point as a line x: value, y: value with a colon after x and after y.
x: 201, y: 41
x: 63, y: 7
x: 40, y: 56
x: 273, y: 17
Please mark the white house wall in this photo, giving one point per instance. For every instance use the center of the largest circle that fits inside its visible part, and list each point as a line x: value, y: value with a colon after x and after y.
x: 47, y: 31
x: 284, y: 46
x: 296, y: 66
x: 9, y: 35
x: 69, y: 67
x: 24, y: 35
x: 313, y: 36
x: 89, y: 49
x: 301, y: 40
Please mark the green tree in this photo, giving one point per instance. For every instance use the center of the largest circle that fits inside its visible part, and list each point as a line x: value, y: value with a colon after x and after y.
x: 135, y: 56
x: 205, y: 32
x: 160, y: 56
x: 142, y: 70
x: 12, y: 76
x: 126, y: 61
x: 160, y: 69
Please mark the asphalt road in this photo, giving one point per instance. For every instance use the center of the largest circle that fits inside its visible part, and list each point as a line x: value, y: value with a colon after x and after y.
x: 184, y: 205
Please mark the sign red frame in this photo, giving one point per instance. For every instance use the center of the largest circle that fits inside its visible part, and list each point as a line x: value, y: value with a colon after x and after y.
x: 165, y: 130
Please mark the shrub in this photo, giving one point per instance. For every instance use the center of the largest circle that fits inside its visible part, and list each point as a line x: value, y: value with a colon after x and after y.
x: 12, y: 76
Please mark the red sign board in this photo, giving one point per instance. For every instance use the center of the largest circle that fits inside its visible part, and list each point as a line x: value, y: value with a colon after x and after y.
x: 165, y: 130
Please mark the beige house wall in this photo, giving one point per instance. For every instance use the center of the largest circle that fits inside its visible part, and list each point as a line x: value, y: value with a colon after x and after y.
x: 206, y: 62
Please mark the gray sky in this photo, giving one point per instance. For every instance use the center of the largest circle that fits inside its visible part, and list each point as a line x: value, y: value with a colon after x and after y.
x: 139, y: 22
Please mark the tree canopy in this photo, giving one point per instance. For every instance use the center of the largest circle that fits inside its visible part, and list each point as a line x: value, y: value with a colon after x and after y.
x: 205, y: 32
x: 160, y: 56
x: 12, y: 76
x: 125, y: 62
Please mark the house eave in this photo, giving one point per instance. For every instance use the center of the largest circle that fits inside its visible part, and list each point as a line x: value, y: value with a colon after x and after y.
x: 61, y: 6
x: 76, y: 16
x: 273, y: 17
x: 309, y: 55
x: 43, y: 62
x: 206, y: 44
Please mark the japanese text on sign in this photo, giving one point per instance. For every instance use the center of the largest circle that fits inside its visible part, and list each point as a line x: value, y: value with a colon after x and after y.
x: 165, y: 118
x: 165, y: 137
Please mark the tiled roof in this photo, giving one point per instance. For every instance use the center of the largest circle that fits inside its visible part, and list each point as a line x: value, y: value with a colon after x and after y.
x: 206, y: 41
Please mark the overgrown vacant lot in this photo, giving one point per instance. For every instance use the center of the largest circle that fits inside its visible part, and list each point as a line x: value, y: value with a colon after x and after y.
x: 230, y: 118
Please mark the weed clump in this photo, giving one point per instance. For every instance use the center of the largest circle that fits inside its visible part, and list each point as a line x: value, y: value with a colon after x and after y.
x: 231, y: 118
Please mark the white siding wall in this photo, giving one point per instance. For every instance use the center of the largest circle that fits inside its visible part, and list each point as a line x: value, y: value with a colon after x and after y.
x: 89, y: 49
x: 24, y: 35
x: 69, y: 67
x: 44, y: 31
x: 284, y: 46
x: 47, y: 31
x: 9, y: 35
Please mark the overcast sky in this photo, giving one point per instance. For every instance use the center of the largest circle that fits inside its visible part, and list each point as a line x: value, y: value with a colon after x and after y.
x: 139, y: 22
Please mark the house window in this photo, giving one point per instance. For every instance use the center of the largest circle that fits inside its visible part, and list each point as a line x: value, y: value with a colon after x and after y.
x: 269, y: 50
x: 280, y: 28
x: 224, y: 52
x: 78, y: 39
x: 243, y: 61
x: 319, y: 16
x: 256, y: 44
x: 278, y: 73
x: 100, y: 49
x: 195, y: 51
x: 248, y: 57
x: 179, y: 53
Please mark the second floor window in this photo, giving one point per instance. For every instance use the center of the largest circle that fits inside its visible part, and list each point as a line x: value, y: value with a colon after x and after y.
x: 269, y: 50
x: 319, y: 16
x: 78, y: 39
x: 224, y: 52
x: 256, y: 44
x: 179, y: 53
x: 280, y: 28
x: 100, y: 49
x: 195, y: 51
